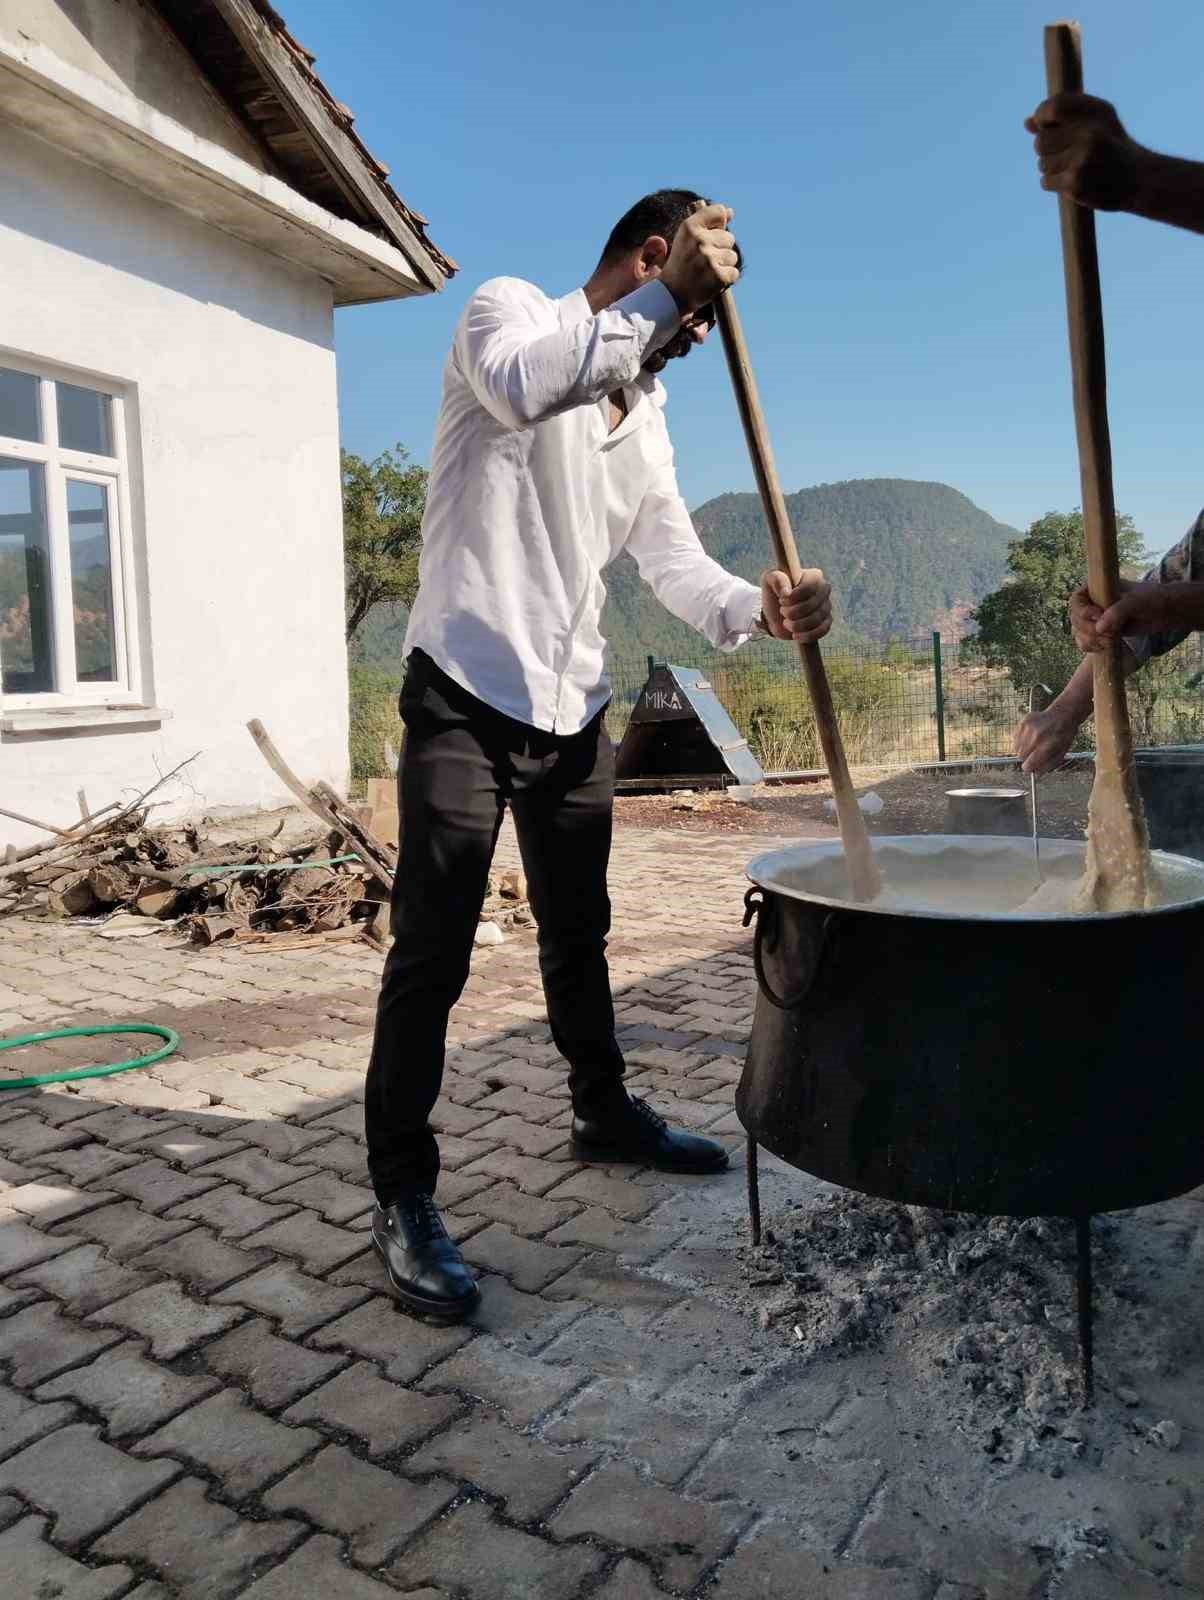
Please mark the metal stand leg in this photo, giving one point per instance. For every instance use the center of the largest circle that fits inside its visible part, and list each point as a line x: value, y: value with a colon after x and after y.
x: 754, y: 1191
x: 1082, y: 1227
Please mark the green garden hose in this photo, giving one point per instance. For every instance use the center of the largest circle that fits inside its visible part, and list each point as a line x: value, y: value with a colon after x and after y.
x: 170, y: 1037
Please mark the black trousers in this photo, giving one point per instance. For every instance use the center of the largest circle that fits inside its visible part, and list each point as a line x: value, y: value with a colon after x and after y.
x: 462, y: 763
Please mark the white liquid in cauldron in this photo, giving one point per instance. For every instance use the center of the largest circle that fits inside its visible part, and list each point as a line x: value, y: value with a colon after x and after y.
x: 967, y: 876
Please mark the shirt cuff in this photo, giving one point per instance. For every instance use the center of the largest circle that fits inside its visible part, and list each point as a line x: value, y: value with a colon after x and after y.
x: 653, y: 311
x: 741, y: 612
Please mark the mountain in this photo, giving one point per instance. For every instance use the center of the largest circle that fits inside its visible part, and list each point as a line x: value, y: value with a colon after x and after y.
x: 903, y: 557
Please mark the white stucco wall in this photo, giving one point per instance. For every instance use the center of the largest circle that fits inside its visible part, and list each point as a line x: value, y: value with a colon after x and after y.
x: 126, y: 44
x: 233, y: 422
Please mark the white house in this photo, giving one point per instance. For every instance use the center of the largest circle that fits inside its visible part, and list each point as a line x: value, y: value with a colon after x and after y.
x: 182, y: 206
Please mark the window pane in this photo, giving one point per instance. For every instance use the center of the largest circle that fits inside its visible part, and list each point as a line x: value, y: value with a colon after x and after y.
x: 19, y: 406
x: 85, y: 421
x: 91, y: 581
x: 26, y: 644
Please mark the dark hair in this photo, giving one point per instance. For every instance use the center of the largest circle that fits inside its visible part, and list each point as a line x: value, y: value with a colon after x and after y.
x: 662, y: 212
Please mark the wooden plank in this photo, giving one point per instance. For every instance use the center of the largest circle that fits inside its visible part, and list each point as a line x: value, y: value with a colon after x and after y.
x: 339, y: 154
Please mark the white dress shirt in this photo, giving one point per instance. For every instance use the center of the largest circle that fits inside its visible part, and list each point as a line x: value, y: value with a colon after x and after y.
x: 531, y: 497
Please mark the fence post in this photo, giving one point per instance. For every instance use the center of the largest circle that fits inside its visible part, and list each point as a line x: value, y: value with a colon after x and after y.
x: 940, y: 695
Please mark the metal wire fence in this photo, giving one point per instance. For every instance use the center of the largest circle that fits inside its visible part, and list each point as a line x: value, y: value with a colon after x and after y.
x: 906, y: 701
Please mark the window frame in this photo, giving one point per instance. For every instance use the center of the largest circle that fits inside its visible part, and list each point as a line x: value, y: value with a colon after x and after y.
x: 112, y: 473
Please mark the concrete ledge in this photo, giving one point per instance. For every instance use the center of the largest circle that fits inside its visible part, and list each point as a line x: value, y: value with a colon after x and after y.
x: 69, y: 719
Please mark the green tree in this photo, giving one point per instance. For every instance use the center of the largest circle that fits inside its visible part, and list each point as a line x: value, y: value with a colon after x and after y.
x: 383, y: 501
x: 1023, y: 625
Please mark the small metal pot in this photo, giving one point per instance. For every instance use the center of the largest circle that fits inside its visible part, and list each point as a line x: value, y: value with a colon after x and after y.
x: 998, y: 1064
x: 994, y: 811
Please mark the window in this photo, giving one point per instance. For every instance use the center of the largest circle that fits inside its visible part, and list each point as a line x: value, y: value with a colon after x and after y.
x: 66, y: 621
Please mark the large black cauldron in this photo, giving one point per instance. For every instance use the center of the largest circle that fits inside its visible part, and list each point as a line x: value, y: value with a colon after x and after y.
x: 995, y: 1064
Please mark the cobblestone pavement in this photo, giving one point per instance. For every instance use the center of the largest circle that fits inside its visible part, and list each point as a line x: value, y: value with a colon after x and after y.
x: 205, y: 1392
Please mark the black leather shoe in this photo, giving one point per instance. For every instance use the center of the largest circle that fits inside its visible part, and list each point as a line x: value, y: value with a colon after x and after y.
x: 640, y: 1135
x: 425, y: 1268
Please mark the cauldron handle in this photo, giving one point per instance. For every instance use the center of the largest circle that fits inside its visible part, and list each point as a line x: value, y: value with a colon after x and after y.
x: 754, y: 906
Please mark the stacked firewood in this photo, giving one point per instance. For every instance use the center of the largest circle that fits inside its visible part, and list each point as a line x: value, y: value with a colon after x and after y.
x: 247, y: 889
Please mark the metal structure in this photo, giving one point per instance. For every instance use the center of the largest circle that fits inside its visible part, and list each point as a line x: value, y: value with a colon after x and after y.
x: 679, y: 734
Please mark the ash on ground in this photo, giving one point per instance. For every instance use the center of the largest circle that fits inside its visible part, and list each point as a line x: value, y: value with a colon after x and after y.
x: 981, y: 1310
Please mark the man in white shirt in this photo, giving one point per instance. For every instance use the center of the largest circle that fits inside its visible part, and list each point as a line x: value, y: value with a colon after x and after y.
x: 551, y: 458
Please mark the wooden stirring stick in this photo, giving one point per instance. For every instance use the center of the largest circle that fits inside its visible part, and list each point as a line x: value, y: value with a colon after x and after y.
x: 1117, y: 844
x: 863, y: 869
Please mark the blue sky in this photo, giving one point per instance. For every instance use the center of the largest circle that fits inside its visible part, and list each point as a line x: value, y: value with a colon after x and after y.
x: 903, y: 295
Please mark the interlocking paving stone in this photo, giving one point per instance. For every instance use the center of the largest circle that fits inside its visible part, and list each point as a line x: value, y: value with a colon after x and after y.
x: 520, y: 1386
x: 131, y: 1393
x: 27, y: 1136
x: 240, y: 1446
x: 532, y: 1174
x: 52, y: 1473
x: 625, y: 1415
x: 167, y: 1318
x: 156, y: 1186
x: 529, y: 1138
x: 122, y: 1230
x: 595, y: 1187
x: 314, y: 1243
x: 204, y: 1550
x: 23, y: 1420
x: 376, y: 1510
x: 24, y: 1246
x: 12, y: 1176
x: 380, y: 1330
x: 602, y: 1230
x: 602, y: 1342
x: 231, y: 1212
x: 274, y: 1370
x: 330, y: 1197
x: 182, y: 1146
x: 317, y: 1571
x: 292, y: 1298
x: 202, y: 1261
x: 471, y: 1552
x: 45, y: 1202
x: 252, y: 1170
x: 620, y: 1291
x: 83, y: 1279
x: 340, y: 1154
x: 449, y: 1117
x: 526, y: 1321
x: 34, y: 1570
x: 117, y: 1126
x: 347, y: 1120
x: 384, y: 1415
x: 771, y: 1567
x: 681, y: 1537
x: 40, y: 1343
x: 483, y: 1451
x: 528, y: 1265
x: 630, y: 1581
x: 281, y: 1140
x: 524, y: 1214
